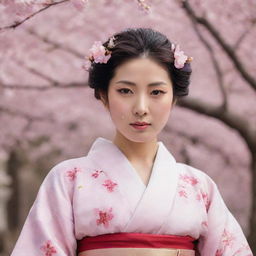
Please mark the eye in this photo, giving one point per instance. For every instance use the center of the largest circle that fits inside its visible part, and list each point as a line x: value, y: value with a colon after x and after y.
x: 124, y: 90
x: 158, y: 91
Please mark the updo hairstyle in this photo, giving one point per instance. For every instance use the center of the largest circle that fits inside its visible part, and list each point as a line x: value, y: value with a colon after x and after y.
x: 139, y: 42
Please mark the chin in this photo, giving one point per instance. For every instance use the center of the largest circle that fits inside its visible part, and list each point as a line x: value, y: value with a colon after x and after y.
x: 141, y: 138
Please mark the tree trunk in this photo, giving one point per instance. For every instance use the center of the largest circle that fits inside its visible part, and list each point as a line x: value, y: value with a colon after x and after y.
x: 13, y: 206
x: 252, y: 235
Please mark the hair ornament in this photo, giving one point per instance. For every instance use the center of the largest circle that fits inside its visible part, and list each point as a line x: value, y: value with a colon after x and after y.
x: 179, y: 57
x: 99, y: 53
x: 111, y: 43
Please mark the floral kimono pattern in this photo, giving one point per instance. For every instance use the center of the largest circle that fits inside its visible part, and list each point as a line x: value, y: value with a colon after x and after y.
x: 102, y: 193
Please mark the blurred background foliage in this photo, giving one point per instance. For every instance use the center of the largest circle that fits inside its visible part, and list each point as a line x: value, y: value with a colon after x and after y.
x: 48, y: 113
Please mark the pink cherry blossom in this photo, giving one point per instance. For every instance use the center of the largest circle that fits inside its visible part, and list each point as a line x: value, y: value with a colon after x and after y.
x: 71, y: 174
x: 79, y: 4
x: 20, y: 8
x: 110, y: 185
x: 227, y: 238
x: 206, y: 200
x: 104, y: 217
x: 183, y: 193
x: 97, y: 173
x: 180, y: 57
x: 48, y: 249
x: 219, y: 252
x: 98, y: 53
x: 189, y: 179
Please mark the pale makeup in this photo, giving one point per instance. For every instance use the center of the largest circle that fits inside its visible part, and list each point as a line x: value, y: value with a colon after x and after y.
x: 141, y: 90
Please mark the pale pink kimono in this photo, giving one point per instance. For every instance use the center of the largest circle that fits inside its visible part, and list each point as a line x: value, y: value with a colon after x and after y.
x: 102, y: 193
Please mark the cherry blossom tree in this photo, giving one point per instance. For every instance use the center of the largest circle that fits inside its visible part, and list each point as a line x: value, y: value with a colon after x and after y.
x: 45, y: 109
x: 245, y: 126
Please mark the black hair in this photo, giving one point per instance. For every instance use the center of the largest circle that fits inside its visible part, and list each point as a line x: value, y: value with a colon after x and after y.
x: 136, y: 42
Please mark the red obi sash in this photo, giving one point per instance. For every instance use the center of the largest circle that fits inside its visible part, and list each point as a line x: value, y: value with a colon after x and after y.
x: 135, y: 240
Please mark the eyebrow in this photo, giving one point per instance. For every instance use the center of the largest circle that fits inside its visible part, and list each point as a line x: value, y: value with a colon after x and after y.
x: 133, y: 84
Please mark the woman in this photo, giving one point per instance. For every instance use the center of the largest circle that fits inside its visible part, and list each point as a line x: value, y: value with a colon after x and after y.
x: 129, y: 196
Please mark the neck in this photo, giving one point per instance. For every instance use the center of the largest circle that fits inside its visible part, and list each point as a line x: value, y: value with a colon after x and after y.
x: 143, y: 152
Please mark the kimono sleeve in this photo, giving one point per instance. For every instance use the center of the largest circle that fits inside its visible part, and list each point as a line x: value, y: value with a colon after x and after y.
x: 224, y: 236
x: 49, y: 227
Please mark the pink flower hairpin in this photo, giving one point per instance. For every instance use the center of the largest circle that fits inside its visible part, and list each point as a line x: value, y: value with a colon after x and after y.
x: 179, y: 57
x: 99, y: 53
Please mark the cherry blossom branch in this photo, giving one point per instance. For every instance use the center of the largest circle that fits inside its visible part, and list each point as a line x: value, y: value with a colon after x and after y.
x: 18, y: 113
x: 55, y: 44
x: 229, y: 117
x: 36, y: 72
x: 141, y: 3
x: 44, y: 87
x: 53, y: 83
x: 225, y: 46
x: 18, y: 23
x: 243, y: 35
x: 197, y: 140
x: 216, y: 65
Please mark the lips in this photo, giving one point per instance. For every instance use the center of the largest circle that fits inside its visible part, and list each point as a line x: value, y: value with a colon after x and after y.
x: 140, y: 123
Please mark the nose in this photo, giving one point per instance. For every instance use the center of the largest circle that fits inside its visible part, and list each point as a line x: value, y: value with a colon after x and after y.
x: 141, y: 106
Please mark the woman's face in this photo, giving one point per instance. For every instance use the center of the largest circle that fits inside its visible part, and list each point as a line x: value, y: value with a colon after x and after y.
x: 140, y: 91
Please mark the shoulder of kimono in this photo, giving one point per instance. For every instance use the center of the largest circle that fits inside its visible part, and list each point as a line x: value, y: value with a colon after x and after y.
x: 203, y: 177
x: 80, y: 163
x: 207, y: 185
